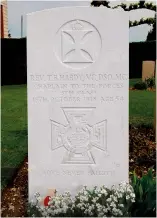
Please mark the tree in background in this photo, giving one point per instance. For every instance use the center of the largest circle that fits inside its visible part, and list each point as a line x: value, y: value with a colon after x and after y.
x: 98, y: 3
x: 152, y: 33
x: 134, y: 6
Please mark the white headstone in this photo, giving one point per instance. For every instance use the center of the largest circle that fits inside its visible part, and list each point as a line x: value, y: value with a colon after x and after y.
x: 77, y: 98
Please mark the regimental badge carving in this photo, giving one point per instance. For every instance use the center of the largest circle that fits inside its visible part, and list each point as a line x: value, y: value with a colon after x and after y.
x: 78, y: 44
x: 78, y: 137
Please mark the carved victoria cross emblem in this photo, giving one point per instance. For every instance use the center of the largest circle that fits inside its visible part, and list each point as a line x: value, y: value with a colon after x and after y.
x: 78, y: 137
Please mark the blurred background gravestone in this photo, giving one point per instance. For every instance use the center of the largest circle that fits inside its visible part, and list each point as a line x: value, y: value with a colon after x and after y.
x: 148, y: 69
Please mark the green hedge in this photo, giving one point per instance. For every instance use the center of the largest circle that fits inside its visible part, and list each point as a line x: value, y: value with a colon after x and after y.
x: 138, y: 52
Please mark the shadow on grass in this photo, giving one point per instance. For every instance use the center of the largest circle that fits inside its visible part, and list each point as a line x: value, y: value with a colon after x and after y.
x: 141, y: 125
x: 19, y: 132
x: 13, y: 151
x: 8, y: 174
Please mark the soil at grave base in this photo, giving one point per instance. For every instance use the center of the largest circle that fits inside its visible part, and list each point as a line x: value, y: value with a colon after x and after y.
x: 142, y: 150
x: 142, y: 156
x: 14, y: 196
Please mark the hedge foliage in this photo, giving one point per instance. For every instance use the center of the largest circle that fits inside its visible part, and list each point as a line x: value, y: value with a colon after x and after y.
x: 138, y: 52
x: 14, y: 64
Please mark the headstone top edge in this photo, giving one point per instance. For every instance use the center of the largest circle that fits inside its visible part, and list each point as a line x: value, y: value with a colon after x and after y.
x: 56, y: 8
x: 75, y: 7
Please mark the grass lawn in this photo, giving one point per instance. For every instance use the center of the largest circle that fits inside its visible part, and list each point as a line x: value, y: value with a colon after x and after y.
x: 141, y: 107
x: 14, y: 129
x: 132, y: 82
x: 14, y: 123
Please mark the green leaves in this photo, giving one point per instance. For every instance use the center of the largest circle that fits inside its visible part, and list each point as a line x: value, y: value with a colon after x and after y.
x: 150, y: 82
x: 140, y: 86
x: 132, y: 6
x: 145, y: 191
x: 134, y: 178
x: 140, y: 192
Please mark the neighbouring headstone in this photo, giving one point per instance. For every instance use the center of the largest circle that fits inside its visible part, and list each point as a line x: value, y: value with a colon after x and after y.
x: 77, y: 98
x: 148, y: 69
